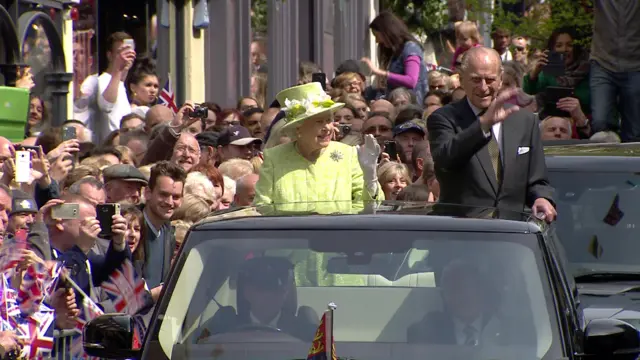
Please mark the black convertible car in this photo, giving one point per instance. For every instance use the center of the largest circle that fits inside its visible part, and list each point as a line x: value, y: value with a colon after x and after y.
x: 253, y: 284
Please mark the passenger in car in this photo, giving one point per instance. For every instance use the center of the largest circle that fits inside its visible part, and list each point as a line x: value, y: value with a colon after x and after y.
x: 468, y: 317
x: 266, y: 301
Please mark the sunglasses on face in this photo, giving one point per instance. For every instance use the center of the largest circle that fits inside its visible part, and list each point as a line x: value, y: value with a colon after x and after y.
x: 519, y: 48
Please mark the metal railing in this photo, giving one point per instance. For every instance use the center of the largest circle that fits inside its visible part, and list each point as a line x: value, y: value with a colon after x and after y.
x: 62, y: 344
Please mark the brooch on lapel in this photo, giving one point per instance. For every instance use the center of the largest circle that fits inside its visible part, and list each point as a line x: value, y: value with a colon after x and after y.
x: 335, y: 155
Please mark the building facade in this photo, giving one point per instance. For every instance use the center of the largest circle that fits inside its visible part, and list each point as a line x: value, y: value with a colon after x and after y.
x: 203, y: 46
x: 32, y: 36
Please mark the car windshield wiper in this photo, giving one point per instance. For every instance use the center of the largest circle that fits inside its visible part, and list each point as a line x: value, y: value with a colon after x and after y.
x: 605, y: 276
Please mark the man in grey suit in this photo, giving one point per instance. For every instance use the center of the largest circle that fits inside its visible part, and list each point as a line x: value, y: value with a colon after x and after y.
x: 487, y: 153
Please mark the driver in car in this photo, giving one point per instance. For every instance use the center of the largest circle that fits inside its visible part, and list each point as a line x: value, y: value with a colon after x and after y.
x: 266, y: 301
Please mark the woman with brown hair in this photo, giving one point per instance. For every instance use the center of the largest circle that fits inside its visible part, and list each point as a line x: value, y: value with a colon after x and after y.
x: 400, y: 54
x: 142, y: 83
x: 39, y: 119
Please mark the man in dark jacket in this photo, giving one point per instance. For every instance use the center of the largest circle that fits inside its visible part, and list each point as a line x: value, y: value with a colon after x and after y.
x: 489, y: 154
x: 73, y: 239
x: 163, y: 196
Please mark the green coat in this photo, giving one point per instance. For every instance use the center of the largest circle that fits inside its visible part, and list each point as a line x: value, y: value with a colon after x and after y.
x: 334, y: 183
x: 582, y: 90
x: 331, y: 184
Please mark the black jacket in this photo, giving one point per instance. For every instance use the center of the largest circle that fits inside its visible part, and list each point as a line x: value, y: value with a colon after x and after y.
x: 463, y: 164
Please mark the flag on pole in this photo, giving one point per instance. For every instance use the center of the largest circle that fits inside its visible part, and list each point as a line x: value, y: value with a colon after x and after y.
x: 126, y: 289
x: 38, y: 282
x: 167, y: 97
x: 129, y: 294
x: 88, y: 311
x: 323, y: 347
x: 37, y: 333
x: 8, y: 304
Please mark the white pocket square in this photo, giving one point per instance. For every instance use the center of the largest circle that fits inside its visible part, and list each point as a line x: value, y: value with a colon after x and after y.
x: 523, y: 150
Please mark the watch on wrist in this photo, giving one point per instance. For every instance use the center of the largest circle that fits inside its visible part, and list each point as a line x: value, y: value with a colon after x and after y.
x: 586, y: 124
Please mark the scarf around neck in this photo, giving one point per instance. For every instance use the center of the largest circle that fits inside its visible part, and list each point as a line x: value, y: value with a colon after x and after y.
x: 575, y: 72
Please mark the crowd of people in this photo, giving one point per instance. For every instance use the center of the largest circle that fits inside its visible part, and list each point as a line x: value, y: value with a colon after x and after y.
x: 469, y: 135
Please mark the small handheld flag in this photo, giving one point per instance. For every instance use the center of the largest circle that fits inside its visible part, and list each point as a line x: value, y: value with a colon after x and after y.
x: 323, y: 347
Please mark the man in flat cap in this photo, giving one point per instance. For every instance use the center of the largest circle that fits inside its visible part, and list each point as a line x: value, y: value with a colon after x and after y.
x: 23, y: 211
x: 124, y: 183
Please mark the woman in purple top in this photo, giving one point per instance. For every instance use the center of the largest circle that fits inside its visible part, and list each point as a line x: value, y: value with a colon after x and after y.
x: 400, y: 56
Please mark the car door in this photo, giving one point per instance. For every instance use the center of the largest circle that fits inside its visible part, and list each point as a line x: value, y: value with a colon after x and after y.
x: 568, y: 308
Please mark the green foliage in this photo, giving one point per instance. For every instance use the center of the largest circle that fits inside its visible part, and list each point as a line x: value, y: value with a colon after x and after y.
x: 423, y: 19
x: 537, y: 24
x: 259, y: 17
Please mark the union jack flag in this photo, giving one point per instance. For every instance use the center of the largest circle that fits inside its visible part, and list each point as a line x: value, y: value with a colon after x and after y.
x: 37, y: 283
x: 167, y: 97
x: 8, y: 304
x: 126, y: 289
x: 35, y: 330
x: 88, y: 311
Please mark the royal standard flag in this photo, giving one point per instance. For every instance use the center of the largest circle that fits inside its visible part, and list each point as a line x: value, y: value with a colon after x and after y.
x: 323, y: 341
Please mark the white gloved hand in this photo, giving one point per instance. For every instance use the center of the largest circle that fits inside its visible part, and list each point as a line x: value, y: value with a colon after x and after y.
x: 368, y: 158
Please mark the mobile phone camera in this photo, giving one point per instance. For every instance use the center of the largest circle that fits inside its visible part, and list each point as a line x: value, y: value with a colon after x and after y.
x: 345, y: 129
x: 199, y: 112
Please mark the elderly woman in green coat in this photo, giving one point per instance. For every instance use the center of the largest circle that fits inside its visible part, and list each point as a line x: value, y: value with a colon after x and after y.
x: 312, y: 173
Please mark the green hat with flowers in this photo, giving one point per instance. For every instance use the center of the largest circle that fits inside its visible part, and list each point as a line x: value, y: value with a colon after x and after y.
x: 303, y: 102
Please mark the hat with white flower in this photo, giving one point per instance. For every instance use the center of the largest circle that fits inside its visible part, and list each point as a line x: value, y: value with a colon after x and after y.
x: 302, y: 102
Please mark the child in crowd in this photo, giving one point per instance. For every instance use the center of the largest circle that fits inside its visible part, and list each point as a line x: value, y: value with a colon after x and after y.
x: 467, y: 36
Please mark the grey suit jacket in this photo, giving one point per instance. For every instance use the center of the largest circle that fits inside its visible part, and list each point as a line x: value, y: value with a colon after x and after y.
x: 463, y: 164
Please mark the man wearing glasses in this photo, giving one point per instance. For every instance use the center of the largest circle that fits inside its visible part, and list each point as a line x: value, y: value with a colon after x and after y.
x: 519, y: 49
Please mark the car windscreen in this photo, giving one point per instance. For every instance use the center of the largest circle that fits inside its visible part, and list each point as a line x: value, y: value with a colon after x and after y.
x: 399, y: 295
x: 597, y: 214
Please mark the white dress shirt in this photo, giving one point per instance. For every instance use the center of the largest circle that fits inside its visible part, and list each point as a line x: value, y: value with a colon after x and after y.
x: 507, y: 56
x: 272, y: 323
x: 486, y: 331
x: 496, y: 127
x: 459, y: 329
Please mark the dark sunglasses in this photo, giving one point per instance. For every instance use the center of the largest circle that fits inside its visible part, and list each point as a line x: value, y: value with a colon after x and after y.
x: 519, y: 48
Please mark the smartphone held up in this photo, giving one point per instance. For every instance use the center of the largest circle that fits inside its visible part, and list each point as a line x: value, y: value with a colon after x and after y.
x: 105, y: 214
x: 23, y: 166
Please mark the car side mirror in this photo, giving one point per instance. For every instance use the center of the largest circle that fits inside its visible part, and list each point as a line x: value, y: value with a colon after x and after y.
x: 610, y: 338
x: 111, y: 336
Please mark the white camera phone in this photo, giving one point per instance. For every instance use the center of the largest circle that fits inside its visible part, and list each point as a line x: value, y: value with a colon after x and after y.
x: 23, y: 166
x: 130, y: 43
